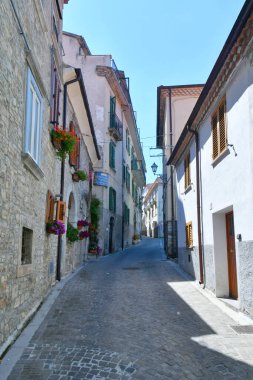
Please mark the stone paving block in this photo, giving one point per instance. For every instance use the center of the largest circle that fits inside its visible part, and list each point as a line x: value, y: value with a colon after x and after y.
x: 149, y: 324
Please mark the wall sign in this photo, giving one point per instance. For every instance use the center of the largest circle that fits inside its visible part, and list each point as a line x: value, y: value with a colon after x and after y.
x: 101, y: 179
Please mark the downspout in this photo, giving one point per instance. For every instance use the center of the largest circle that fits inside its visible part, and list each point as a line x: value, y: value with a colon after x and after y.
x: 123, y: 185
x: 201, y: 270
x: 59, y: 247
x: 171, y: 178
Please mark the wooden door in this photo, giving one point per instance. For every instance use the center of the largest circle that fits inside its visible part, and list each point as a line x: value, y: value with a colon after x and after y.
x: 232, y: 273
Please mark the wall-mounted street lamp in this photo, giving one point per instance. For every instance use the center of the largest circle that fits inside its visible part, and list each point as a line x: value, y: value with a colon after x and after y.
x: 154, y: 168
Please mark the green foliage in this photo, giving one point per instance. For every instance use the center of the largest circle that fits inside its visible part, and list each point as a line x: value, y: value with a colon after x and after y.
x: 94, y: 211
x: 72, y: 233
x: 82, y: 175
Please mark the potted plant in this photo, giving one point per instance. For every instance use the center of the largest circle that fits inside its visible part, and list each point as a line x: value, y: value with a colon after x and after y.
x: 63, y: 141
x: 79, y: 175
x: 83, y: 235
x: 72, y: 233
x: 55, y: 228
x: 82, y: 223
x: 136, y: 238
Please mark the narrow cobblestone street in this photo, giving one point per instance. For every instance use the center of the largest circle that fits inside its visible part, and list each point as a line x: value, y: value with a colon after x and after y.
x: 132, y: 316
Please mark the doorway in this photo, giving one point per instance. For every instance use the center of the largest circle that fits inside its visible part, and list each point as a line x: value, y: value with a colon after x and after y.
x: 232, y: 272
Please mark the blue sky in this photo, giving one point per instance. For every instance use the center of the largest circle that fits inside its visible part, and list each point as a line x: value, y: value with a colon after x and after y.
x: 162, y: 42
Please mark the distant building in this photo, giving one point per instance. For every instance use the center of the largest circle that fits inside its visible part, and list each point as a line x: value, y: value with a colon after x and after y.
x: 213, y: 163
x: 120, y: 175
x: 174, y: 105
x: 153, y: 209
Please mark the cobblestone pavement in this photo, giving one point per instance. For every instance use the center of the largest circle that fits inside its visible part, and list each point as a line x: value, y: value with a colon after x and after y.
x: 132, y: 316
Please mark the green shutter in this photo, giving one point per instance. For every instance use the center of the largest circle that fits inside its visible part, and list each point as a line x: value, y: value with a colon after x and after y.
x: 110, y: 199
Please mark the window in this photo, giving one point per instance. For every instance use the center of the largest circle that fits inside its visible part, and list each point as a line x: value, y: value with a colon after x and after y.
x: 124, y: 173
x: 33, y: 123
x: 26, y: 252
x: 112, y: 200
x: 126, y: 214
x: 74, y: 156
x: 55, y: 95
x: 112, y: 148
x: 133, y: 189
x: 127, y: 179
x: 128, y: 142
x: 187, y: 173
x: 219, y: 132
x: 188, y: 233
x: 112, y: 111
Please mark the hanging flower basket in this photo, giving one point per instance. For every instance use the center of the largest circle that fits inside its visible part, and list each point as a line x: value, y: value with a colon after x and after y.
x: 79, y: 175
x: 83, y: 235
x: 82, y: 224
x: 75, y: 177
x: 63, y: 141
x: 55, y: 228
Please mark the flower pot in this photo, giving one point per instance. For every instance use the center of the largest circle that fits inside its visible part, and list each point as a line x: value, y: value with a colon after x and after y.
x: 56, y: 144
x: 75, y: 177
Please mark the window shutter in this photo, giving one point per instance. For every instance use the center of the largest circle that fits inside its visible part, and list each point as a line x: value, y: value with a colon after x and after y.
x: 110, y: 199
x: 50, y: 207
x: 114, y: 201
x: 188, y: 233
x: 113, y: 156
x: 222, y: 127
x: 78, y: 153
x: 215, y: 136
x: 73, y: 155
x: 55, y: 88
x: 60, y: 211
x: 110, y: 154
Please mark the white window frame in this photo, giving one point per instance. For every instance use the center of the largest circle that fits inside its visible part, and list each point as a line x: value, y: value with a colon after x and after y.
x: 33, y: 120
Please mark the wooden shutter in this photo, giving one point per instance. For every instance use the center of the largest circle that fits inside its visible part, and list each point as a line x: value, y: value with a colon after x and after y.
x: 73, y: 156
x: 215, y: 136
x: 50, y: 207
x: 187, y: 176
x: 188, y: 233
x: 60, y: 211
x: 222, y: 127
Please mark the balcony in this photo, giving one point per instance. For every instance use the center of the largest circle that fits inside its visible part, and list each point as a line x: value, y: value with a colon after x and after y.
x: 116, y: 127
x: 138, y: 172
x: 123, y: 81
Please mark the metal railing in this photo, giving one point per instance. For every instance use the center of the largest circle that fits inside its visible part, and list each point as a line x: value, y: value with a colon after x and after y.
x: 116, y: 126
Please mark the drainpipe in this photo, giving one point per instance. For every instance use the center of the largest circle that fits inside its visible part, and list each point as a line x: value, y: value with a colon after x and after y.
x: 59, y: 247
x: 201, y: 270
x: 171, y: 179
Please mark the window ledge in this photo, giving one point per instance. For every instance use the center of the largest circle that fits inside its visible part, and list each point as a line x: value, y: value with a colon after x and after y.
x: 188, y: 189
x: 31, y: 165
x: 24, y: 270
x: 218, y: 159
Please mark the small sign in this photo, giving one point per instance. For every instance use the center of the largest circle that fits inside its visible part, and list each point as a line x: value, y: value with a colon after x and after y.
x: 101, y: 179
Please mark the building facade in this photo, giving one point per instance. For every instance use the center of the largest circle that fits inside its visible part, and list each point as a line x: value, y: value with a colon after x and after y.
x: 213, y: 160
x: 120, y: 175
x: 153, y: 209
x: 174, y: 105
x: 35, y: 100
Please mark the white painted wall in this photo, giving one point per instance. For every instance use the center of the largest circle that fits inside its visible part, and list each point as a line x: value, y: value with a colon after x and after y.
x: 226, y: 186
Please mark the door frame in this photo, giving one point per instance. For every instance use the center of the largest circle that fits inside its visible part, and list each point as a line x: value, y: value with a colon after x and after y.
x: 232, y: 264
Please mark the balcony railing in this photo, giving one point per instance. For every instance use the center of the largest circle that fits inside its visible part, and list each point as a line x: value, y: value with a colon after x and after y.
x: 116, y: 127
x: 123, y: 81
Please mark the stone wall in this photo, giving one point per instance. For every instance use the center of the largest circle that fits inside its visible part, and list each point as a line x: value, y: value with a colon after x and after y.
x: 24, y: 186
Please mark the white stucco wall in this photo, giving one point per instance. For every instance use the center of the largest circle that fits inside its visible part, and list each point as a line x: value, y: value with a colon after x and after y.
x: 226, y: 186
